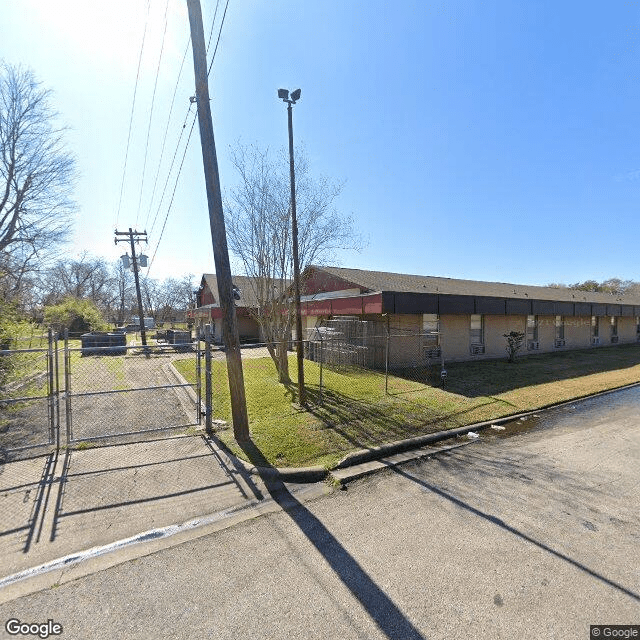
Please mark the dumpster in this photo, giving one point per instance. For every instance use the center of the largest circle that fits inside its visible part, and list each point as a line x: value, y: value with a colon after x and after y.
x: 178, y: 336
x: 102, y: 343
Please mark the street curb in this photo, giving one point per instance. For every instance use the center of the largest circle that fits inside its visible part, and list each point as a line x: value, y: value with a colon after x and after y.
x: 319, y: 473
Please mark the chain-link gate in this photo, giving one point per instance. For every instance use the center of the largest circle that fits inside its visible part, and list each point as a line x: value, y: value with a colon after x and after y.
x: 76, y: 391
x: 111, y: 392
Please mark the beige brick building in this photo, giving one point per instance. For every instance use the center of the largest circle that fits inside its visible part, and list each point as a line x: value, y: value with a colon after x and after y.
x: 464, y: 319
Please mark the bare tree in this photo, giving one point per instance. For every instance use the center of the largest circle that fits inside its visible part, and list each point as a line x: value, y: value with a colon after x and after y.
x: 124, y: 295
x: 258, y: 220
x: 85, y: 278
x: 169, y: 299
x: 36, y: 172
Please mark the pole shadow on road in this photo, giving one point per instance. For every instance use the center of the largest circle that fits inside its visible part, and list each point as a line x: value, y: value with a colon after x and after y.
x: 87, y: 503
x: 503, y: 525
x: 383, y: 611
x: 24, y: 502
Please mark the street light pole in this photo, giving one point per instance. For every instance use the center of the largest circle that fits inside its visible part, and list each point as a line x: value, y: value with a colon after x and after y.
x: 295, y: 95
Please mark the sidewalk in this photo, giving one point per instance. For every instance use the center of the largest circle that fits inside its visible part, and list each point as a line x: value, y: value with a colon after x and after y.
x: 57, y: 505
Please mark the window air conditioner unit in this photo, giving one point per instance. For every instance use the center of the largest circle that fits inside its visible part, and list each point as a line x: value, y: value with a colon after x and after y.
x: 434, y: 352
x: 533, y: 345
x: 559, y: 342
x: 614, y: 339
x: 477, y: 349
x: 595, y: 340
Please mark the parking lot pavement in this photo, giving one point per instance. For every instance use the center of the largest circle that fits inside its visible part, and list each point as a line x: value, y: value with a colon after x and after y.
x: 534, y: 536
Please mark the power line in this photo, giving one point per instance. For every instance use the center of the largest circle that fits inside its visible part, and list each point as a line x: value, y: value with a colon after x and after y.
x: 166, y: 131
x: 175, y: 153
x: 213, y: 22
x: 213, y: 57
x: 135, y: 91
x: 175, y: 186
x: 187, y: 143
x: 181, y: 130
x: 153, y: 100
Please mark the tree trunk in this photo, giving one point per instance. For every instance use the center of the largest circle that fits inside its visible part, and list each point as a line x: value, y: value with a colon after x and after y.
x: 280, y: 359
x: 283, y: 367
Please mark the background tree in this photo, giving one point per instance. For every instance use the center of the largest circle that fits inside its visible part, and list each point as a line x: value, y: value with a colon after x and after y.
x: 36, y: 176
x: 258, y: 221
x: 76, y: 315
x: 124, y: 292
x: 176, y: 296
x: 168, y: 300
x: 614, y: 286
x: 85, y: 277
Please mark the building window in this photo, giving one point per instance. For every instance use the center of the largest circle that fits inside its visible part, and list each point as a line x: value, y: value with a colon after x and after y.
x: 431, y: 333
x: 476, y: 332
x: 614, y: 326
x: 559, y: 331
x: 532, y: 332
x: 638, y: 325
x: 595, y: 326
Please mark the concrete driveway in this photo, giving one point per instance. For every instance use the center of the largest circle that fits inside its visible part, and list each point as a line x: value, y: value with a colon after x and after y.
x: 534, y: 536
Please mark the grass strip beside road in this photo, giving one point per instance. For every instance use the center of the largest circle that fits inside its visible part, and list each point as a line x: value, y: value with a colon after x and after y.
x: 353, y: 412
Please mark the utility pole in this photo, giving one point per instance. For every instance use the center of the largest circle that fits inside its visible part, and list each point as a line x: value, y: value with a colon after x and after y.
x: 218, y: 231
x: 133, y: 237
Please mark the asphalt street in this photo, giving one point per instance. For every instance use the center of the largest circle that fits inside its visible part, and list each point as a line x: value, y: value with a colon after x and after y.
x: 536, y: 535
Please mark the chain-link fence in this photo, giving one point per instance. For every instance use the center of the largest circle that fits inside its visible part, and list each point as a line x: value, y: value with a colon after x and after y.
x: 96, y: 387
x: 28, y: 415
x: 347, y: 377
x: 372, y: 345
x: 115, y: 386
x: 106, y: 387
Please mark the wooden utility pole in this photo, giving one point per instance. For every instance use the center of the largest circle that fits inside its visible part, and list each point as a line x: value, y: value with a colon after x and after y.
x: 218, y: 231
x: 133, y: 237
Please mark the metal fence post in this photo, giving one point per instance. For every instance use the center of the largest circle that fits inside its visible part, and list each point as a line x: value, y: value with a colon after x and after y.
x: 57, y: 388
x: 386, y: 362
x: 198, y: 380
x: 51, y: 388
x: 207, y: 374
x: 67, y: 385
x: 321, y: 362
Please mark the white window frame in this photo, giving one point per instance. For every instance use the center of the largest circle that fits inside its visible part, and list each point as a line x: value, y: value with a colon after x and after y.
x: 481, y: 341
x: 532, y: 332
x: 428, y: 346
x: 614, y: 326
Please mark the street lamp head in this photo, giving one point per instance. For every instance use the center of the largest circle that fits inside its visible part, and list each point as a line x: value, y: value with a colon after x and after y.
x: 283, y: 93
x: 295, y: 95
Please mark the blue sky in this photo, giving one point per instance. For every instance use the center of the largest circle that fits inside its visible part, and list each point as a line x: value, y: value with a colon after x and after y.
x: 481, y: 140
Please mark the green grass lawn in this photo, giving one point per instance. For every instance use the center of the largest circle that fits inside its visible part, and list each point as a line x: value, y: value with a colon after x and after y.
x: 353, y: 411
